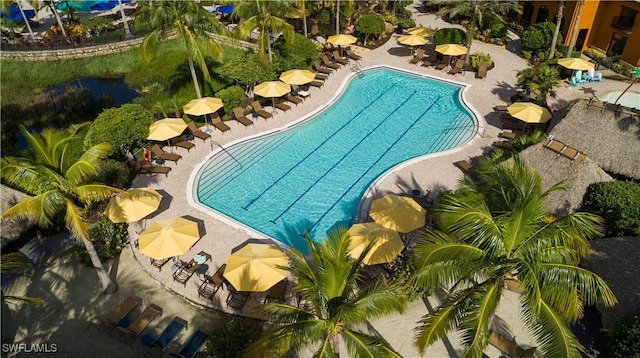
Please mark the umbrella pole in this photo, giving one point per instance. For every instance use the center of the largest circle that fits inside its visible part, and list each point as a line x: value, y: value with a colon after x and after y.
x: 273, y: 104
x: 208, y: 130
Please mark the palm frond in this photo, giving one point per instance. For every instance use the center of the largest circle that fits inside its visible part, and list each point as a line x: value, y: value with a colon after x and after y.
x: 22, y: 299
x: 88, y: 166
x: 40, y: 208
x: 75, y: 222
x: 282, y: 313
x: 363, y: 345
x: 91, y: 193
x: 475, y: 324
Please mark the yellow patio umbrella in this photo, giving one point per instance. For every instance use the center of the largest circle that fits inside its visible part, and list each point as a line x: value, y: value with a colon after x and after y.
x: 576, y: 64
x: 166, y: 129
x: 297, y: 77
x: 387, y: 244
x: 272, y: 89
x: 451, y: 49
x: 168, y: 238
x: 140, y: 203
x: 529, y: 112
x: 342, y: 40
x: 254, y: 267
x: 202, y: 106
x: 413, y: 40
x: 399, y: 213
x: 422, y: 31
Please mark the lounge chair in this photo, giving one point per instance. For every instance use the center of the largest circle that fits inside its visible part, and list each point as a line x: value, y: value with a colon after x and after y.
x: 501, y: 108
x: 508, y: 135
x: 321, y: 77
x: 555, y: 146
x: 429, y: 59
x: 328, y: 63
x: 168, y: 335
x: 418, y: 56
x: 159, y: 263
x: 320, y: 69
x: 192, y: 345
x: 353, y: 55
x: 293, y: 99
x: 187, y: 269
x: 502, y: 145
x: 317, y: 84
x: 443, y: 64
x: 457, y: 68
x: 197, y: 132
x: 464, y: 165
x: 258, y: 109
x: 181, y: 142
x: 159, y: 153
x: 339, y: 59
x: 237, y: 299
x: 282, y: 106
x: 212, y: 284
x: 509, y: 347
x: 141, y: 322
x: 573, y: 154
x: 482, y: 70
x: 240, y: 117
x: 217, y: 122
x: 119, y: 313
x: 149, y: 168
x: 276, y: 293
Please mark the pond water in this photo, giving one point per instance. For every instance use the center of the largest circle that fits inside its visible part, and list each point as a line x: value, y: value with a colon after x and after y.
x: 113, y: 88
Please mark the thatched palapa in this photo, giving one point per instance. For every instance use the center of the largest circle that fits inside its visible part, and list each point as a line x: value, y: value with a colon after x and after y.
x: 11, y: 229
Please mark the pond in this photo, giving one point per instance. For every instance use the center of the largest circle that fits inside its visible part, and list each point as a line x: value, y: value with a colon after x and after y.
x: 114, y: 89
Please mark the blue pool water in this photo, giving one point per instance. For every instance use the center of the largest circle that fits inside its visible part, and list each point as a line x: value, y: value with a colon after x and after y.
x: 312, y: 176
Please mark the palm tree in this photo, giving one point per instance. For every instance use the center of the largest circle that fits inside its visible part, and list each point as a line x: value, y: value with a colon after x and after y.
x: 60, y: 179
x: 554, y: 40
x: 335, y: 307
x: 574, y: 32
x: 54, y: 10
x: 300, y: 11
x: 10, y: 263
x: 496, y: 231
x: 191, y: 24
x: 541, y: 80
x: 477, y: 11
x: 33, y: 3
x: 127, y: 31
x: 268, y: 17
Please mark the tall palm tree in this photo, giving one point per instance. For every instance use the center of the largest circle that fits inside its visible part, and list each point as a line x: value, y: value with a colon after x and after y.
x: 300, y: 11
x: 554, y: 40
x: 496, y: 231
x: 268, y: 17
x: 190, y: 22
x: 60, y: 179
x: 574, y: 31
x: 477, y: 10
x: 335, y: 307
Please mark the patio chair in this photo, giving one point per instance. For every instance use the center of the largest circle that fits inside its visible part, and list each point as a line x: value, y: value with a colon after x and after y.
x: 159, y: 263
x: 240, y: 117
x: 320, y: 69
x: 258, y: 109
x: 554, y: 145
x: 501, y: 108
x: 418, y: 56
x: 457, y: 68
x: 317, y: 84
x: 276, y: 293
x: 159, y: 153
x: 187, y: 269
x: 217, y: 122
x: 181, y: 142
x: 212, y: 284
x: 464, y: 165
x: 141, y: 322
x: 119, y: 313
x: 293, y: 99
x: 192, y: 345
x: 197, y: 132
x: 443, y: 64
x: 353, y: 55
x: 482, y: 70
x: 321, y: 77
x: 281, y: 105
x: 237, y: 299
x: 429, y: 59
x: 508, y: 135
x: 502, y: 145
x: 168, y: 335
x: 328, y: 63
x: 339, y: 59
x: 149, y: 168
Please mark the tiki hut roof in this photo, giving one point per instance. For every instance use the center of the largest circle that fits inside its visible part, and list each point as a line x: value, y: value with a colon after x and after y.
x: 11, y: 229
x: 554, y: 168
x: 615, y: 260
x: 608, y: 137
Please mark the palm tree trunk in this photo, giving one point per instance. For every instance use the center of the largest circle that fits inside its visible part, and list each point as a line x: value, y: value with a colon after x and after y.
x: 335, y: 340
x: 555, y: 34
x: 58, y: 19
x: 24, y: 17
x: 194, y: 76
x: 108, y: 286
x: 127, y: 32
x: 338, y: 17
x: 574, y: 32
x: 269, y: 46
x: 304, y: 19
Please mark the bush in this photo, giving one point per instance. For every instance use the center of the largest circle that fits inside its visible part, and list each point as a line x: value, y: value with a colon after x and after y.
x: 538, y: 37
x: 617, y: 203
x: 622, y: 69
x: 595, y: 53
x: 477, y: 57
x: 234, y: 337
x: 370, y: 24
x: 407, y: 23
x: 124, y: 127
x: 623, y: 342
x: 450, y: 35
x: 231, y: 97
x: 107, y: 237
x: 298, y: 53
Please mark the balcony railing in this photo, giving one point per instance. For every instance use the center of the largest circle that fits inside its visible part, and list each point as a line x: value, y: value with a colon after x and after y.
x: 624, y: 24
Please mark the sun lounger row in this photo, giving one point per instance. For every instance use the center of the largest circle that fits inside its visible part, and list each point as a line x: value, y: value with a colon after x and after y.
x: 562, y: 149
x: 617, y: 108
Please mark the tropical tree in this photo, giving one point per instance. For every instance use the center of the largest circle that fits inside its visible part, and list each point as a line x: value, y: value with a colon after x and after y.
x: 300, y: 11
x: 191, y: 23
x: 557, y: 31
x: 541, y: 80
x: 268, y: 17
x: 10, y: 263
x: 334, y: 307
x: 127, y: 31
x: 497, y: 231
x: 574, y: 31
x: 476, y: 11
x: 60, y: 178
x: 54, y: 10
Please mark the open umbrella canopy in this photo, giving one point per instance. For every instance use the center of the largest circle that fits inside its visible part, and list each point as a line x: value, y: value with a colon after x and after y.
x: 342, y: 40
x: 166, y: 128
x: 387, y: 244
x: 399, y: 213
x: 575, y: 64
x: 254, y: 267
x: 140, y: 203
x: 297, y: 77
x: 202, y: 106
x: 413, y: 40
x: 529, y: 112
x: 421, y: 31
x: 451, y: 49
x: 272, y: 89
x: 16, y: 15
x: 168, y: 238
x: 225, y: 9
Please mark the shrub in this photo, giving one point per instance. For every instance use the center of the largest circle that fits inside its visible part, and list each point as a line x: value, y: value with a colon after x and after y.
x: 107, y: 237
x: 407, y: 23
x: 617, y: 203
x: 526, y: 54
x: 370, y: 24
x: 538, y: 37
x: 231, y: 97
x: 125, y: 127
x: 477, y: 57
x: 390, y: 18
x: 622, y: 69
x: 595, y: 53
x: 298, y: 53
x: 450, y: 35
x: 234, y: 337
x: 623, y: 342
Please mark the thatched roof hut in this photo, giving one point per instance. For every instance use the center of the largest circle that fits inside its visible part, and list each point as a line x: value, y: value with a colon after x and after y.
x: 11, y: 229
x: 611, y: 139
x: 615, y: 259
x: 554, y: 168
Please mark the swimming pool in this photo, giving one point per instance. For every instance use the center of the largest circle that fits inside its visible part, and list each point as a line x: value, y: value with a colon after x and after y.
x: 311, y: 177
x: 629, y: 99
